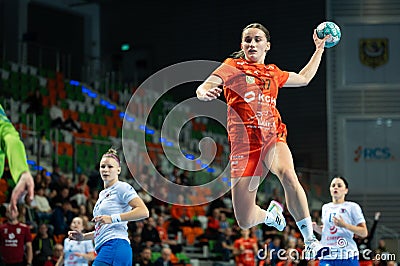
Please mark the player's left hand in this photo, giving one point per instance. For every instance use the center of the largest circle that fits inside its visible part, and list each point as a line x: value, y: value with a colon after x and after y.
x: 320, y: 43
x: 102, y: 219
x: 338, y: 221
x: 25, y: 186
x: 75, y: 235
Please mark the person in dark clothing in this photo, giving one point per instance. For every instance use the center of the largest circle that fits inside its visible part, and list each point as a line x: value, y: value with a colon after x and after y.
x: 364, y: 244
x: 224, y: 244
x: 150, y: 235
x: 58, y: 251
x: 62, y: 217
x: 165, y: 259
x: 42, y: 246
x: 137, y: 247
x: 145, y: 258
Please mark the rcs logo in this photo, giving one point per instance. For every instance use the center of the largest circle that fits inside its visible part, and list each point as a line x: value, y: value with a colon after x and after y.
x: 377, y: 153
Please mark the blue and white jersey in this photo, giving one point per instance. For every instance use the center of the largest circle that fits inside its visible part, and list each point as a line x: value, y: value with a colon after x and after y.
x: 113, y: 200
x: 71, y: 247
x: 338, y: 238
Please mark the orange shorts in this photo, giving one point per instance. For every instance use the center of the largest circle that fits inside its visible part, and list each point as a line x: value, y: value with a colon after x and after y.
x: 247, y: 159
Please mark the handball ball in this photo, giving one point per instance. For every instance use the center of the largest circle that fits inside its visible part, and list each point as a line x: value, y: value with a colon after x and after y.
x: 326, y: 28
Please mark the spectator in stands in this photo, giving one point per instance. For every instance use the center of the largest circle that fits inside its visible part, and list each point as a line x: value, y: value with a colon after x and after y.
x: 150, y: 235
x: 224, y: 244
x: 136, y: 227
x: 182, y: 215
x: 274, y: 246
x: 88, y: 225
x: 300, y: 250
x: 80, y: 191
x: 289, y: 258
x: 316, y: 216
x: 13, y: 149
x: 186, y: 177
x: 56, y: 188
x: 58, y: 251
x: 62, y: 217
x: 21, y: 213
x: 55, y: 175
x: 58, y: 120
x: 82, y: 186
x: 42, y: 246
x: 41, y: 205
x: 94, y: 181
x: 30, y: 218
x: 46, y: 181
x: 136, y: 246
x: 163, y: 233
x: 245, y: 249
x: 381, y: 249
x: 91, y: 202
x: 35, y: 101
x: 161, y: 193
x: 257, y: 234
x: 145, y: 258
x: 174, y: 174
x: 165, y: 259
x: 213, y: 226
x: 218, y: 204
x: 146, y: 197
x: 62, y: 195
x: 223, y: 222
x: 38, y: 180
x: 15, y: 239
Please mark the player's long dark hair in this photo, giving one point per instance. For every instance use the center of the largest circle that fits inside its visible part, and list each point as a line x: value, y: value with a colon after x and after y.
x: 240, y: 54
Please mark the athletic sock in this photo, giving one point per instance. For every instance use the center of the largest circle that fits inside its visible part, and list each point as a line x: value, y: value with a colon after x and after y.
x: 267, y: 216
x: 306, y: 228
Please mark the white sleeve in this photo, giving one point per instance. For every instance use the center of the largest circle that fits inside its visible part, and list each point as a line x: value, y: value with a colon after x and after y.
x: 357, y: 214
x: 323, y: 211
x: 127, y: 192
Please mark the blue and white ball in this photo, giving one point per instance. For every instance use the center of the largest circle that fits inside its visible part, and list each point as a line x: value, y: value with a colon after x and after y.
x: 326, y: 28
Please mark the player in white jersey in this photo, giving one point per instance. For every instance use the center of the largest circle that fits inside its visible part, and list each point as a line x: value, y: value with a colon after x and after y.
x: 341, y: 220
x: 77, y: 253
x: 118, y: 203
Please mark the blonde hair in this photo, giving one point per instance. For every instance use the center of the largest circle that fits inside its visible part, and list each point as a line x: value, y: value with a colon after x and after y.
x: 112, y: 153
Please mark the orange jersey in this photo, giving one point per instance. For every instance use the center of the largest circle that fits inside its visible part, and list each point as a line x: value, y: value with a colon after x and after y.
x: 247, y: 258
x: 251, y: 91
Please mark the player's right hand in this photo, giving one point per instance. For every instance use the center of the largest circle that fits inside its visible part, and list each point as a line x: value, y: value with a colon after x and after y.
x: 210, y: 95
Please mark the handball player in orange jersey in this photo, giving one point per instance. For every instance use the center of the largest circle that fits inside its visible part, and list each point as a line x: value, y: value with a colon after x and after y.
x: 256, y: 133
